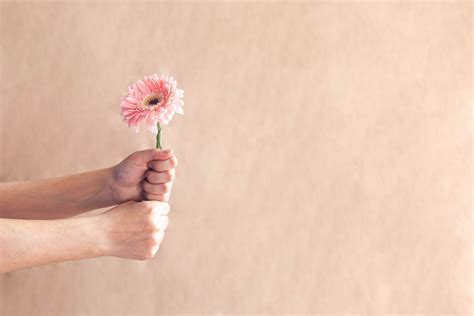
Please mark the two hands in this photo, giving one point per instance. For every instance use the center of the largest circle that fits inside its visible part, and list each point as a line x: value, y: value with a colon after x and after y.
x: 141, y: 185
x: 38, y: 223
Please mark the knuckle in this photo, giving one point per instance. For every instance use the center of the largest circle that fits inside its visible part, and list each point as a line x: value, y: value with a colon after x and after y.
x: 166, y: 186
x: 168, y: 176
x: 149, y: 223
x: 145, y: 186
x: 149, y: 175
x: 144, y: 255
x: 157, y: 237
x: 147, y: 255
x: 153, y: 165
x: 174, y: 161
x: 165, y: 209
x: 149, y: 216
x: 150, y: 226
x: 157, y: 188
x: 163, y: 222
x: 143, y: 207
x: 149, y: 207
x: 159, y: 198
x: 160, y: 188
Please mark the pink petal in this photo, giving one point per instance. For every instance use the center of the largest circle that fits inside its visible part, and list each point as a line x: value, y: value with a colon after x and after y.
x: 143, y: 87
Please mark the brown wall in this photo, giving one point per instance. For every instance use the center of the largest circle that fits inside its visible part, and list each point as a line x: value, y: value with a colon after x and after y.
x: 325, y: 151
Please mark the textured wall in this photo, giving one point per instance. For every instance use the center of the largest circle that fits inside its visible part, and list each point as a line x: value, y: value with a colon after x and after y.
x: 325, y: 151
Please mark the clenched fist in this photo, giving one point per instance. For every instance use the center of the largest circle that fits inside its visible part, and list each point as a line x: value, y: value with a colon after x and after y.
x: 144, y: 175
x: 134, y: 230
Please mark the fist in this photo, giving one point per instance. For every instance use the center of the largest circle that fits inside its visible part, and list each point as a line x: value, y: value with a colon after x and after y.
x: 144, y: 175
x: 134, y: 230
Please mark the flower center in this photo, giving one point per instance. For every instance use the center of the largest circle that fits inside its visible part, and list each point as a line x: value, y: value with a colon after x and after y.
x: 153, y: 100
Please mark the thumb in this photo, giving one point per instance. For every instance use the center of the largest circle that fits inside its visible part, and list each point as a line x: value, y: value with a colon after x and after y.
x: 144, y: 156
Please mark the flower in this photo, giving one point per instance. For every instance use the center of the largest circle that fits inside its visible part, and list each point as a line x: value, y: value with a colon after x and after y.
x: 153, y: 101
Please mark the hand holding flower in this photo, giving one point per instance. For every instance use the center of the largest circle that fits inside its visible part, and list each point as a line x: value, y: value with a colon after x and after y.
x: 146, y: 174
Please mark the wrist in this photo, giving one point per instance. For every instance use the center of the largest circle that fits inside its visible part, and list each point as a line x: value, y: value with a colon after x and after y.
x: 105, y: 192
x: 95, y: 235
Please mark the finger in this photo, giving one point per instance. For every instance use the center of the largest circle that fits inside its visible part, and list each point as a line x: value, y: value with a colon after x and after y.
x: 158, y: 237
x: 163, y: 165
x: 163, y: 154
x: 153, y: 251
x: 159, y: 188
x: 161, y: 222
x: 147, y: 155
x: 160, y: 177
x: 155, y: 205
x: 157, y: 197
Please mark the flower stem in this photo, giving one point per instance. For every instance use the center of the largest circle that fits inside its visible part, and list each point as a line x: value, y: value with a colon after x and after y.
x: 158, y: 136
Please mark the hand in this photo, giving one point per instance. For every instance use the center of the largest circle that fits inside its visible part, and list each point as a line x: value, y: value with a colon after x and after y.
x: 144, y: 175
x: 134, y: 230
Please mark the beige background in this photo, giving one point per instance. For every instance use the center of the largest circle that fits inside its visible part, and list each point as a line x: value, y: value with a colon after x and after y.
x: 325, y: 151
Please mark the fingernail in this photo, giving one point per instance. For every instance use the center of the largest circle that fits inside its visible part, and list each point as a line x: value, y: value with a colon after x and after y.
x: 166, y: 151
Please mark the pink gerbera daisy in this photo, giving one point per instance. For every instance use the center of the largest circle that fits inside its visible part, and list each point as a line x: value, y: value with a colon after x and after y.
x: 153, y: 101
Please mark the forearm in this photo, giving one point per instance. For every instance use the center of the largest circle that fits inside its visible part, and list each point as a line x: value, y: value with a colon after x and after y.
x: 56, y: 198
x: 25, y: 243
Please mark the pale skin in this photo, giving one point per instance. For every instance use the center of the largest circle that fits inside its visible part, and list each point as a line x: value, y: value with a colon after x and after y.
x: 36, y: 217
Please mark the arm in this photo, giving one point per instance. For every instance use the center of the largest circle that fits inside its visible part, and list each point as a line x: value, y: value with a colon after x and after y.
x: 146, y: 174
x: 27, y: 243
x: 131, y: 230
x: 56, y: 198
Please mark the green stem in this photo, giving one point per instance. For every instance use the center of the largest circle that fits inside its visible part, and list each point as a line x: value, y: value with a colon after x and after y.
x: 158, y: 136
